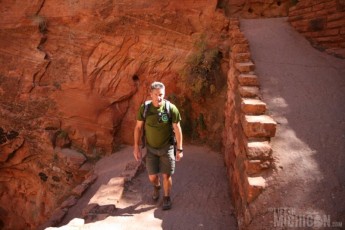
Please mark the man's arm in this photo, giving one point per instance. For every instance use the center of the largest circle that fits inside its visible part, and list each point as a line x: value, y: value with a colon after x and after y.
x: 179, y: 139
x: 137, y: 134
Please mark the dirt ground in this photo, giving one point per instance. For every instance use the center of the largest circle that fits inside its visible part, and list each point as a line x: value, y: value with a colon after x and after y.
x: 305, y: 92
x: 200, y: 196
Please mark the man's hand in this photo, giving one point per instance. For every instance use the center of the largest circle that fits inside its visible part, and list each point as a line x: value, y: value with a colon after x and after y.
x: 178, y: 135
x: 179, y: 155
x: 137, y: 153
x: 137, y: 132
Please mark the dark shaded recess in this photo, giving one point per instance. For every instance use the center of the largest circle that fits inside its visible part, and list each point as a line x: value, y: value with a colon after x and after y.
x: 317, y: 24
x: 12, y: 134
x: 43, y: 176
x: 135, y: 78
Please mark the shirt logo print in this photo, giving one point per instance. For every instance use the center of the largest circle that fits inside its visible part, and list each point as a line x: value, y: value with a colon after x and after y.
x: 165, y: 118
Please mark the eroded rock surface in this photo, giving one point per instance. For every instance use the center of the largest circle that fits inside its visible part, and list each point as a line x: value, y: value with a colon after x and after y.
x: 72, y: 76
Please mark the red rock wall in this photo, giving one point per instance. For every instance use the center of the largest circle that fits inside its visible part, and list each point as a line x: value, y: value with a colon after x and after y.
x: 322, y: 22
x: 72, y: 76
x: 248, y: 129
x: 255, y: 8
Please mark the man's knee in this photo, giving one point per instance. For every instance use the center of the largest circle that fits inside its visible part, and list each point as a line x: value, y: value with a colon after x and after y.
x: 153, y: 177
x: 166, y: 176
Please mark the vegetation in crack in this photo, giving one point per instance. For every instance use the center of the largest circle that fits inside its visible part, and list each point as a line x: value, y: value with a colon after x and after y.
x: 202, y: 69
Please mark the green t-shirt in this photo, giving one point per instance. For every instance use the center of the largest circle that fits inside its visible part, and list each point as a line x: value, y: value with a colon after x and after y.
x: 158, y: 129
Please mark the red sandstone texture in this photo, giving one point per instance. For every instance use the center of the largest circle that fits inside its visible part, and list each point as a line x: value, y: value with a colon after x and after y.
x: 72, y: 76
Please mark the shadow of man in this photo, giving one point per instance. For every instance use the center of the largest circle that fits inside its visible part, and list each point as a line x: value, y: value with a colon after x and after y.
x: 99, y: 213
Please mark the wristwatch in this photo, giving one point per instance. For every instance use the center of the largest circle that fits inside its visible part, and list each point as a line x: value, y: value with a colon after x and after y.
x: 180, y: 150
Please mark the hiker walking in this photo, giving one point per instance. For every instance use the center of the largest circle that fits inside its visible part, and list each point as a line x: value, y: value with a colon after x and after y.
x: 159, y: 121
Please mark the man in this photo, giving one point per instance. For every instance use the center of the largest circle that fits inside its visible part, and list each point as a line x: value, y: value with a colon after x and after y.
x: 160, y: 150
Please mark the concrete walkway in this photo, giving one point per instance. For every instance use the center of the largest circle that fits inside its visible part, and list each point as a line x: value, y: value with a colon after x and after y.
x: 305, y: 92
x: 200, y: 195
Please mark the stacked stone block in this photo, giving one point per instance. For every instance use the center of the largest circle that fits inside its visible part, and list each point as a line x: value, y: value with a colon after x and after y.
x: 322, y: 22
x: 248, y: 129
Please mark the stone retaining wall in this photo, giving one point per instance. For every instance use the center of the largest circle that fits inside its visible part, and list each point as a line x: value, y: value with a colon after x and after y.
x: 322, y: 22
x: 246, y: 139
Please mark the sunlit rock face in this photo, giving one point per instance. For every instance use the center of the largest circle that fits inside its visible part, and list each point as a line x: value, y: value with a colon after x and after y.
x: 72, y: 76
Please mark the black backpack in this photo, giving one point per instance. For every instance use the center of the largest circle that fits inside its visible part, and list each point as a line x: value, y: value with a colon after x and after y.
x: 167, y: 109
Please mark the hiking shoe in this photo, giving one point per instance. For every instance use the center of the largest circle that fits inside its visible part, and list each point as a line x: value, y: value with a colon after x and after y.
x: 155, y: 194
x: 166, y: 203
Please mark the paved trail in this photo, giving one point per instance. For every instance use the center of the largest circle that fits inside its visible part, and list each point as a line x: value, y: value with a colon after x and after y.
x: 200, y: 197
x: 305, y: 92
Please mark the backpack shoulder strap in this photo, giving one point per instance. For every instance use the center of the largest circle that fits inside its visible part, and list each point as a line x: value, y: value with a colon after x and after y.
x: 167, y: 108
x: 149, y: 102
x: 146, y: 108
x: 168, y: 111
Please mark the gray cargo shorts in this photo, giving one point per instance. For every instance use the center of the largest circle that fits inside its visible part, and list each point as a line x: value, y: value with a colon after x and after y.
x: 160, y: 160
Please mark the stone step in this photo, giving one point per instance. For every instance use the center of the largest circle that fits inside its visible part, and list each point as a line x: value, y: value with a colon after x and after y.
x: 103, y: 203
x: 248, y: 79
x: 255, y: 167
x: 240, y: 48
x: 259, y: 154
x: 245, y: 67
x: 241, y: 57
x: 109, y: 193
x: 258, y: 126
x: 253, y: 106
x: 256, y: 186
x: 249, y: 91
x: 259, y: 150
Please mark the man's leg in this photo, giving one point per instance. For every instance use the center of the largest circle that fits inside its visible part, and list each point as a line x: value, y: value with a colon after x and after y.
x: 152, y: 166
x: 154, y: 179
x: 167, y: 183
x: 167, y: 166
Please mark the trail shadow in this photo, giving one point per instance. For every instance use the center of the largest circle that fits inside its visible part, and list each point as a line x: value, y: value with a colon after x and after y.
x: 100, y: 213
x: 200, y: 193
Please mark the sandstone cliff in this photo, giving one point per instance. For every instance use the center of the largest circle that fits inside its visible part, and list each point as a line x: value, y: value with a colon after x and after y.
x: 72, y: 75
